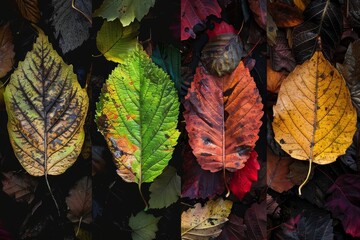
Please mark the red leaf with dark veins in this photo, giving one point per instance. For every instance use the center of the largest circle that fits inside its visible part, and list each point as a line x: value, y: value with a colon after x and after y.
x: 194, y: 12
x: 243, y: 178
x: 255, y: 221
x: 199, y: 183
x: 344, y: 202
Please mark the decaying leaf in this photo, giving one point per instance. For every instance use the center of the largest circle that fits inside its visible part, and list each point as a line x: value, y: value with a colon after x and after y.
x: 255, y: 221
x: 7, y: 53
x: 144, y: 226
x: 78, y: 17
x: 20, y: 186
x: 298, y: 171
x: 204, y: 222
x: 351, y: 72
x: 314, y: 118
x: 194, y: 12
x: 29, y: 9
x: 259, y: 8
x: 271, y: 30
x: 281, y: 56
x: 277, y: 172
x: 323, y: 19
x: 223, y: 118
x: 234, y: 229
x: 343, y: 202
x: 243, y: 178
x: 79, y: 201
x: 46, y: 111
x: 115, y: 42
x: 125, y: 10
x: 284, y: 14
x: 165, y: 189
x: 274, y: 79
x: 137, y: 114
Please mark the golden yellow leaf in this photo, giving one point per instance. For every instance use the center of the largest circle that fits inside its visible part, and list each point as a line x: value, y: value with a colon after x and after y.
x: 201, y: 223
x: 314, y: 118
x: 301, y: 4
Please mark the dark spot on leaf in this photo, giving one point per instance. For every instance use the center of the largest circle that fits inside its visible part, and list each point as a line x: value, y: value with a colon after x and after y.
x: 167, y: 136
x: 206, y: 140
x: 243, y: 150
x: 282, y: 141
x: 332, y: 73
x: 205, y: 154
x: 226, y: 115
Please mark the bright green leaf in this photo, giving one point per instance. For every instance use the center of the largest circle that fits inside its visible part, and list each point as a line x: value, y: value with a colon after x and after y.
x: 115, y: 41
x: 165, y: 190
x: 125, y: 10
x: 137, y: 114
x: 144, y: 226
x: 168, y: 58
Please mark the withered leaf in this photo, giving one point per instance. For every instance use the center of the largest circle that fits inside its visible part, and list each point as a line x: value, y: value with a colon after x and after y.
x: 29, y: 9
x: 7, y: 53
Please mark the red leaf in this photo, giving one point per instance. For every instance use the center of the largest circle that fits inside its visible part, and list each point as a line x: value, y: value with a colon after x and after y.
x: 242, y: 180
x: 255, y: 220
x: 199, y: 183
x: 194, y: 12
x: 222, y: 116
x: 220, y: 28
x: 343, y: 202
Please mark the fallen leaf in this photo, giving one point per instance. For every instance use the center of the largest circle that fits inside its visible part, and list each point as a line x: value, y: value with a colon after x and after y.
x: 272, y: 207
x: 284, y: 14
x: 141, y: 133
x: 46, y: 109
x: 165, y: 190
x: 259, y: 8
x: 281, y: 55
x: 322, y: 18
x: 243, y: 178
x: 277, y: 172
x: 79, y: 201
x: 168, y: 58
x: 197, y: 182
x: 195, y: 12
x: 78, y: 17
x: 274, y: 78
x: 143, y: 226
x: 7, y: 53
x: 115, y: 42
x: 29, y: 9
x: 222, y: 118
x: 271, y: 30
x: 126, y: 10
x: 314, y: 118
x: 354, y: 13
x: 222, y: 54
x: 343, y: 202
x: 20, y: 186
x: 351, y: 72
x: 204, y: 222
x: 234, y: 229
x: 255, y: 221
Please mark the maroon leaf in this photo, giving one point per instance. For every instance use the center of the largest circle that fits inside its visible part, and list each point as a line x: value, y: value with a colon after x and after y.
x: 243, y: 178
x: 284, y: 14
x: 255, y: 221
x: 272, y: 207
x: 20, y: 186
x: 281, y: 55
x: 199, y: 183
x: 258, y: 7
x: 195, y: 12
x: 343, y: 202
x: 234, y: 229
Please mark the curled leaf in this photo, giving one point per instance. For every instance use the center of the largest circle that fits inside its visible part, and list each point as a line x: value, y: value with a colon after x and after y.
x: 46, y: 111
x: 202, y: 223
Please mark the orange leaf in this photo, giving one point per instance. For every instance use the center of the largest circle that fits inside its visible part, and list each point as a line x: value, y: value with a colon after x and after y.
x: 274, y: 79
x: 285, y: 15
x: 223, y: 118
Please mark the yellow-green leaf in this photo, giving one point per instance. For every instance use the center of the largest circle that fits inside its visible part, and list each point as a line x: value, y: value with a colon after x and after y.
x: 46, y: 111
x: 137, y: 114
x: 314, y: 118
x: 125, y: 10
x: 202, y: 223
x: 115, y: 41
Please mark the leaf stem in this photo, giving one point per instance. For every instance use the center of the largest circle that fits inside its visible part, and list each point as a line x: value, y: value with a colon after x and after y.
x: 307, y: 177
x: 52, y: 195
x: 78, y: 227
x: 142, y: 197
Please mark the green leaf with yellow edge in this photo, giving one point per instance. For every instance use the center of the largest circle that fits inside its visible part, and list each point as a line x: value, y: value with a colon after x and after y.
x: 165, y: 190
x: 314, y: 118
x: 137, y: 113
x: 115, y: 41
x: 46, y: 111
x: 205, y: 222
x: 144, y: 226
x: 125, y: 10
